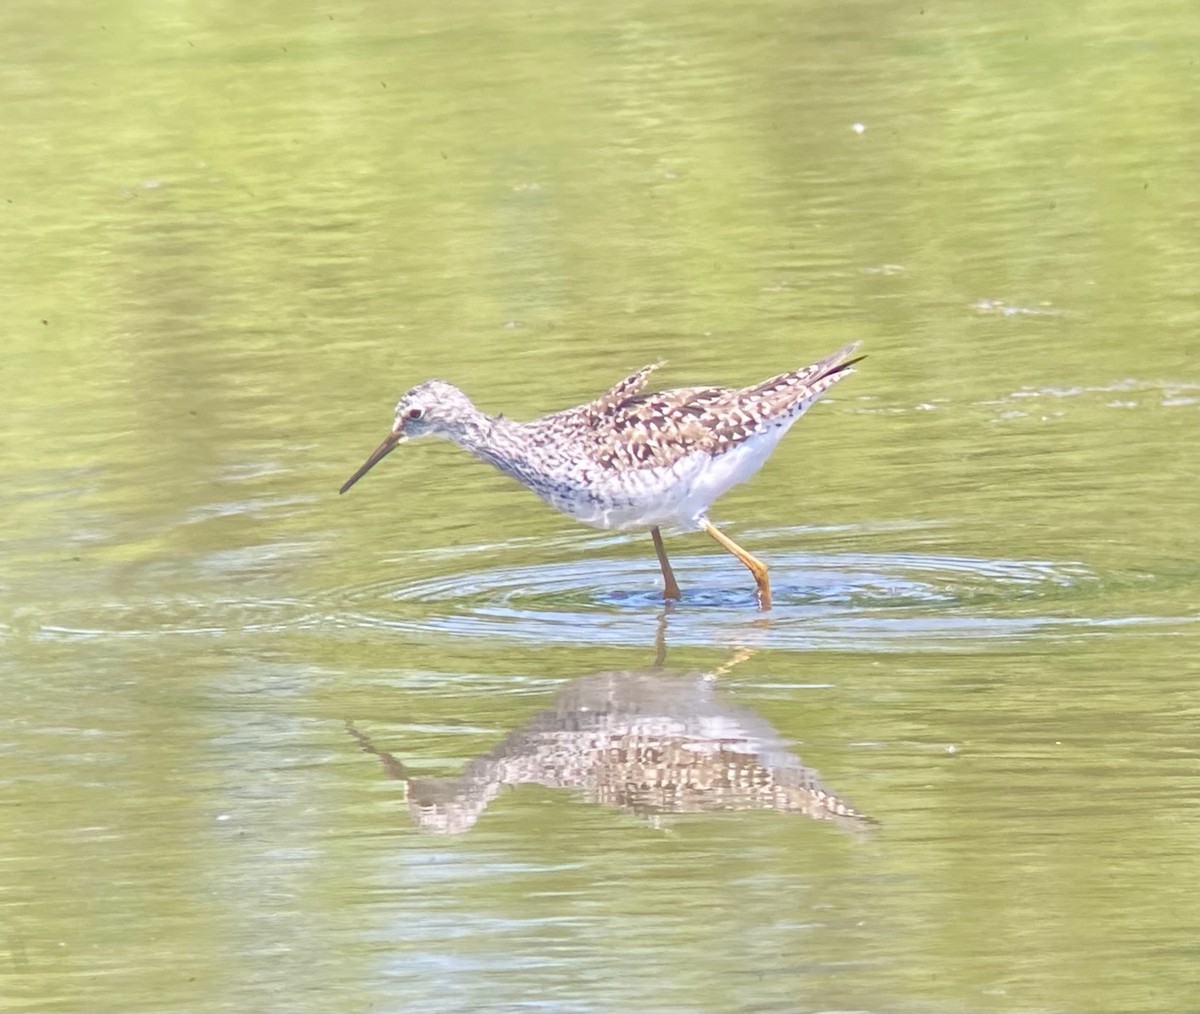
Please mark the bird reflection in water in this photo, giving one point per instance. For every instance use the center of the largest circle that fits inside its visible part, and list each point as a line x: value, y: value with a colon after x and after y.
x: 649, y: 742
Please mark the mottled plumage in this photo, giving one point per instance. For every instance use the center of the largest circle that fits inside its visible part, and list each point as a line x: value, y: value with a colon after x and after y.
x: 649, y: 742
x: 630, y: 459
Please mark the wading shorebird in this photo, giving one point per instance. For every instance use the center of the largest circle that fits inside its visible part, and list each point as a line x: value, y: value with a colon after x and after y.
x: 629, y: 459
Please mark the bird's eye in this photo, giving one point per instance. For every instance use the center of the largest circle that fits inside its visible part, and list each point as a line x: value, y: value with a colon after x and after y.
x: 414, y: 413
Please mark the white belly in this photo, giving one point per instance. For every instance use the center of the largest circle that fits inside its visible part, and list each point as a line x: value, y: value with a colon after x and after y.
x: 717, y: 476
x: 675, y: 498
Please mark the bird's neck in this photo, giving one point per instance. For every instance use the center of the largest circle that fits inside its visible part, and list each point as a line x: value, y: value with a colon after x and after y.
x: 493, y: 439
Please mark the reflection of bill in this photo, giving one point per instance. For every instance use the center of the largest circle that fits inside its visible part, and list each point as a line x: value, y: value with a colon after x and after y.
x: 645, y: 741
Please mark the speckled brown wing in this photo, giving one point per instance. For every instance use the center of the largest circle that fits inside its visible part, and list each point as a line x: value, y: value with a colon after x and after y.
x: 656, y: 430
x: 777, y: 400
x: 790, y: 387
x: 597, y: 412
x: 624, y: 389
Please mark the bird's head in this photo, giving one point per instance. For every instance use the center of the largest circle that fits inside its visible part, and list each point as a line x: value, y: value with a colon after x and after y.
x: 434, y: 408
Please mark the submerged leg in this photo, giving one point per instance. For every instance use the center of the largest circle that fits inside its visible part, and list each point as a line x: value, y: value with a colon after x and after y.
x: 755, y: 565
x: 670, y: 587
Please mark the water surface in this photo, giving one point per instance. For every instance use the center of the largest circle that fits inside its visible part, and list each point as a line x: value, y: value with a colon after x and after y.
x: 230, y: 699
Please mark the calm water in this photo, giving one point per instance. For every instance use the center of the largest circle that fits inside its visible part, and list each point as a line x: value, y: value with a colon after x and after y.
x: 433, y: 747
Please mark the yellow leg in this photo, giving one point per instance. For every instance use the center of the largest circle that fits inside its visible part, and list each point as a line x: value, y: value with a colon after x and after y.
x: 755, y: 565
x: 670, y: 587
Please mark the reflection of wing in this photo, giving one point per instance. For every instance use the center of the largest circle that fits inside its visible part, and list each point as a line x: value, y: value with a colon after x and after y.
x: 644, y: 742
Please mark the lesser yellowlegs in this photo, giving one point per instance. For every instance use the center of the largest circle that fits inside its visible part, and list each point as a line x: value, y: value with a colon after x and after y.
x: 629, y: 459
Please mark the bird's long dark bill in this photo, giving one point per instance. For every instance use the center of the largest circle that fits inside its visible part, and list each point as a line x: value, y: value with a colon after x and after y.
x: 390, y: 442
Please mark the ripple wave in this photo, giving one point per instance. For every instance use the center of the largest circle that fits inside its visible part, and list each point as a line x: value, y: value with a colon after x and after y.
x: 884, y: 601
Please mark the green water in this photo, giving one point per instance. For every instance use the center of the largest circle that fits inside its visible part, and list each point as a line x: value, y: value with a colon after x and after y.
x: 232, y: 236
